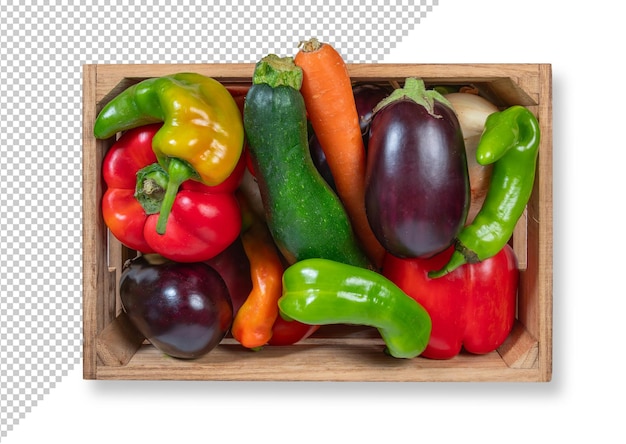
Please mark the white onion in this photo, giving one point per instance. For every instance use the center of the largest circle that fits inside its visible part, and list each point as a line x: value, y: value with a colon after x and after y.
x: 472, y: 111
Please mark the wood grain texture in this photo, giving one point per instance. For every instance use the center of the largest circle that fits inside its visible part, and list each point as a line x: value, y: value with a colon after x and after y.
x: 314, y: 362
x: 520, y: 349
x: 340, y: 353
x: 118, y: 342
x: 92, y: 279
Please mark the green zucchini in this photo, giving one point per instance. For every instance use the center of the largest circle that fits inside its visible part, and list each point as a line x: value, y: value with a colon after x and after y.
x: 304, y: 215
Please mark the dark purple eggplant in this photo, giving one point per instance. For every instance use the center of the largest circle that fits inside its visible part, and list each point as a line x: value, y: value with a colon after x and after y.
x: 417, y: 183
x: 366, y: 97
x: 319, y: 160
x: 183, y: 309
x: 234, y: 267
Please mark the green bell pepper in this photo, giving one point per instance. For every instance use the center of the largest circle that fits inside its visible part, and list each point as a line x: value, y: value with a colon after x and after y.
x: 321, y: 291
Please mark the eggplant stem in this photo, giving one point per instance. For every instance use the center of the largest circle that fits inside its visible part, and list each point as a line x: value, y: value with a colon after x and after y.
x: 415, y: 89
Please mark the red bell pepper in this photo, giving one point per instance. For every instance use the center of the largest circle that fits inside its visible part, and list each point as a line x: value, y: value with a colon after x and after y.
x: 472, y: 307
x: 204, y: 219
x: 289, y: 332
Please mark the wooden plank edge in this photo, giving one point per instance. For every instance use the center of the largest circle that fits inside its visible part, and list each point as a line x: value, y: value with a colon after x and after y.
x: 546, y: 228
x: 520, y: 349
x: 89, y: 296
x: 118, y: 342
x: 343, y: 363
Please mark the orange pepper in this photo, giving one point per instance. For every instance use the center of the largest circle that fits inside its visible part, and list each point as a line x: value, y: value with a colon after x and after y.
x: 254, y: 321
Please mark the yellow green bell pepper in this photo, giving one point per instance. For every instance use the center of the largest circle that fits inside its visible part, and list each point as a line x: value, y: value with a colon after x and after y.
x: 202, y: 135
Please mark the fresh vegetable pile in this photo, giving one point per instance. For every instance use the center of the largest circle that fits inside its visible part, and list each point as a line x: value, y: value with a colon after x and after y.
x: 307, y: 199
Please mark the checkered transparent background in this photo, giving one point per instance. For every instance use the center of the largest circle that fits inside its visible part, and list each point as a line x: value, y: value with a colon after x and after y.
x: 43, y: 46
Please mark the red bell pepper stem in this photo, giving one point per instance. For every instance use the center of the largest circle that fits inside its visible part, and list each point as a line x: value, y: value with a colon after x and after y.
x: 150, y: 187
x: 178, y: 172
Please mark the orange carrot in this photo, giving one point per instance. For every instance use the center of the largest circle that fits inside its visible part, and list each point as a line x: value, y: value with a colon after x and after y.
x: 329, y: 100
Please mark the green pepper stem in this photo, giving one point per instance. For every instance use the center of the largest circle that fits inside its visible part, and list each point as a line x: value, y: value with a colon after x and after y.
x: 456, y: 260
x: 178, y: 171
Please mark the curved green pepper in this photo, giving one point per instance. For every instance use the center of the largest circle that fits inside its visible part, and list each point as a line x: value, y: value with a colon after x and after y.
x: 321, y: 291
x: 510, y: 141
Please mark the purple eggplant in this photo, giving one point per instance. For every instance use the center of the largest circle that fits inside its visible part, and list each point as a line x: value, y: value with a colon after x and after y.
x: 319, y: 160
x: 417, y: 183
x: 234, y: 267
x: 366, y: 97
x: 183, y: 309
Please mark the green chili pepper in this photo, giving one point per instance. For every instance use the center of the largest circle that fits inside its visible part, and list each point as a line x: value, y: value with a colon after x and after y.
x: 510, y: 141
x: 322, y: 291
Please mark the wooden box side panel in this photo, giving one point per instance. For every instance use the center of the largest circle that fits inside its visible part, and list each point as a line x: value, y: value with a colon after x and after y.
x: 95, y: 283
x: 535, y: 308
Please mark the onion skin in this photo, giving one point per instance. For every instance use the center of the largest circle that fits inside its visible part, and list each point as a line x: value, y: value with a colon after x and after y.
x: 472, y: 111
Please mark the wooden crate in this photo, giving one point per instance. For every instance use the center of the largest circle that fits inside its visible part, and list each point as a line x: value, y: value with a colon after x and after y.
x: 114, y: 350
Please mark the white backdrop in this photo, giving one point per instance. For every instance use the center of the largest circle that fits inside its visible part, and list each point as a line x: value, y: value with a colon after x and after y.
x: 583, y: 46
